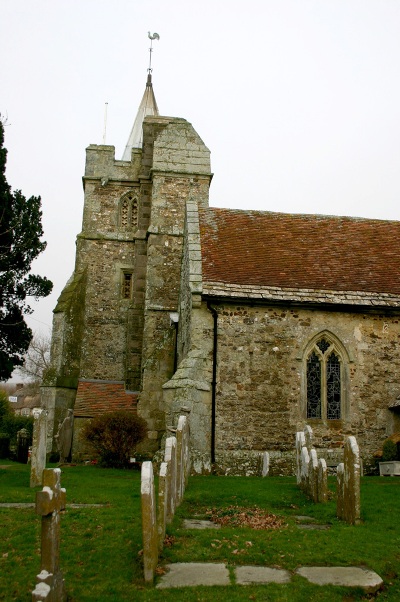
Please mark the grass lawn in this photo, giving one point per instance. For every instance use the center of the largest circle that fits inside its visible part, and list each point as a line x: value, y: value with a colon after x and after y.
x: 100, y: 551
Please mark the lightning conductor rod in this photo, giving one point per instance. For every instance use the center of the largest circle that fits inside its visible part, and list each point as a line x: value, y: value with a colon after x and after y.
x: 105, y: 123
x: 152, y: 37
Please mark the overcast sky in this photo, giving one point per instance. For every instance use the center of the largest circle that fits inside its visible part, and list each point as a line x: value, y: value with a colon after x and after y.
x: 298, y: 101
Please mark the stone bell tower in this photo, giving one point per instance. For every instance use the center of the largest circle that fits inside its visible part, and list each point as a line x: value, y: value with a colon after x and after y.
x: 112, y: 323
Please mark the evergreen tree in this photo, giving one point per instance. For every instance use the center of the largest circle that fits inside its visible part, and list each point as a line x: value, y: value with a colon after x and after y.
x: 20, y: 233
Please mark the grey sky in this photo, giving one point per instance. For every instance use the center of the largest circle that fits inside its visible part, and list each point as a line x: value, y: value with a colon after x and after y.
x: 298, y: 101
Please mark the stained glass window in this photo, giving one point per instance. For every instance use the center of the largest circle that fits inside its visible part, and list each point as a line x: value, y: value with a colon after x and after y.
x: 313, y: 386
x: 324, y: 382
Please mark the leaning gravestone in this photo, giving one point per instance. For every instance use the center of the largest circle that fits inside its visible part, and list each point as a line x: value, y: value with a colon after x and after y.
x: 313, y: 476
x: 308, y: 437
x: 305, y: 460
x: 163, y: 494
x: 265, y: 464
x: 149, y: 525
x: 38, y: 456
x: 49, y: 502
x: 300, y: 443
x: 340, y: 491
x: 351, y: 484
x: 170, y: 457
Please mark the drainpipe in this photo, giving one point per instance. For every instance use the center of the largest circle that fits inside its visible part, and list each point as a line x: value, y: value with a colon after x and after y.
x: 214, y: 380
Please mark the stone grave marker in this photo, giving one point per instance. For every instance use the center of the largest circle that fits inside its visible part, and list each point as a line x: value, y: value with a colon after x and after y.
x: 300, y: 443
x: 340, y: 491
x: 23, y: 442
x: 305, y: 459
x: 163, y: 494
x: 322, y: 481
x: 64, y: 437
x: 170, y: 457
x: 352, y: 474
x: 149, y: 525
x: 49, y: 502
x: 308, y: 436
x: 313, y: 475
x: 39, y: 443
x: 265, y: 464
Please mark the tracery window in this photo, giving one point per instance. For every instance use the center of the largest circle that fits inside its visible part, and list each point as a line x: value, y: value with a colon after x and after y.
x: 128, y: 211
x: 324, y: 380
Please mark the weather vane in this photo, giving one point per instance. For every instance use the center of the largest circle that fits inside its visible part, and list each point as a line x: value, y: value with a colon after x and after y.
x: 152, y: 37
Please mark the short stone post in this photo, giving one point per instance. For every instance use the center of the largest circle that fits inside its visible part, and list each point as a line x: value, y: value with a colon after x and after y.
x: 170, y: 457
x: 149, y: 525
x: 49, y: 502
x: 38, y: 456
x: 162, y: 508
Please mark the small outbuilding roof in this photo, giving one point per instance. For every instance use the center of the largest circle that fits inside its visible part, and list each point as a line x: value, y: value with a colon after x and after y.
x: 95, y: 397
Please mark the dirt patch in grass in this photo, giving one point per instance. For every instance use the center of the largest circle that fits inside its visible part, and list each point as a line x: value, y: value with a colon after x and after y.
x: 253, y: 517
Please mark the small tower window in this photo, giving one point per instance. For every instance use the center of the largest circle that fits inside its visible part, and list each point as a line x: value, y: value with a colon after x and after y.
x: 126, y: 285
x: 128, y: 211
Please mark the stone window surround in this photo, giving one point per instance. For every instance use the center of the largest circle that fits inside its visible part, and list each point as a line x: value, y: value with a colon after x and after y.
x: 128, y: 210
x: 345, y: 359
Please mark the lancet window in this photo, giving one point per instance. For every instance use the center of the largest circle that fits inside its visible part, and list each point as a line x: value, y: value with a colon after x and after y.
x: 324, y: 381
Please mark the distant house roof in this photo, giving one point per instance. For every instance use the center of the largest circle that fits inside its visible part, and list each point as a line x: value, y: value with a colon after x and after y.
x: 96, y: 397
x: 288, y: 252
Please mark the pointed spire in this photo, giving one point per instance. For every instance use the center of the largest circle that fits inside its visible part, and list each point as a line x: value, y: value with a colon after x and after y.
x: 148, y: 106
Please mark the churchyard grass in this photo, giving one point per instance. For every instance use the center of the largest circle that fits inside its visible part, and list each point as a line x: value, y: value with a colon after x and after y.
x: 100, y: 546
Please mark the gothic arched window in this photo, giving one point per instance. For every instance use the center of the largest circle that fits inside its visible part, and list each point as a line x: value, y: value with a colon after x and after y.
x: 128, y: 211
x: 324, y: 375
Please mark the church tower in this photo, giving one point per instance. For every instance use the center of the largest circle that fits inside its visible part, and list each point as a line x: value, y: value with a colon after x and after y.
x: 114, y: 334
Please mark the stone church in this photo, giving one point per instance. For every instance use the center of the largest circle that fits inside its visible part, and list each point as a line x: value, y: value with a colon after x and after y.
x: 254, y: 322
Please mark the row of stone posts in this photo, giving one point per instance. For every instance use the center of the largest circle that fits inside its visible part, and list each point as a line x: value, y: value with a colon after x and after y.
x: 311, y: 475
x: 172, y: 481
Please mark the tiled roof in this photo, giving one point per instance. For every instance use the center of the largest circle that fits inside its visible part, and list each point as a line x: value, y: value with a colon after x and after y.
x: 96, y: 397
x: 300, y: 251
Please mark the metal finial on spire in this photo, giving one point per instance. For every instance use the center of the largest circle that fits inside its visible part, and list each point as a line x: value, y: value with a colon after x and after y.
x: 152, y: 37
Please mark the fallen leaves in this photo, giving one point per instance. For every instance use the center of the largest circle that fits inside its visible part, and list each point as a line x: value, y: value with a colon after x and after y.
x: 254, y: 518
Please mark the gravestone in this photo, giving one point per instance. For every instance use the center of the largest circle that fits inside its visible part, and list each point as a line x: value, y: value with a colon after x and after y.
x: 340, y: 491
x: 300, y: 443
x: 308, y: 436
x: 351, y: 486
x: 265, y: 464
x: 64, y: 437
x: 49, y: 502
x: 163, y: 494
x: 149, y: 525
x: 39, y: 443
x: 313, y: 476
x: 305, y: 459
x: 322, y: 481
x: 170, y: 457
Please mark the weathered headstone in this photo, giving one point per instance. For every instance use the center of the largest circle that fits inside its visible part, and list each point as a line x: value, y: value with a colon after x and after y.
x: 322, y: 481
x: 64, y: 437
x: 305, y: 459
x: 313, y: 475
x: 49, y: 502
x: 340, y: 491
x: 265, y: 464
x: 38, y: 456
x: 170, y: 457
x: 162, y: 508
x: 308, y: 436
x: 149, y: 525
x: 352, y: 474
x: 300, y: 443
